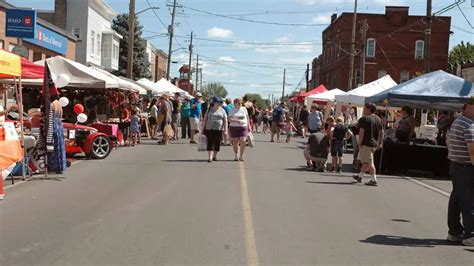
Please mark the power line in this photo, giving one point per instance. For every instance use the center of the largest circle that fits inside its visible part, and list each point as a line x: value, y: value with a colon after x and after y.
x: 464, y: 15
x: 156, y: 15
x: 311, y: 42
x: 239, y: 69
x: 255, y: 21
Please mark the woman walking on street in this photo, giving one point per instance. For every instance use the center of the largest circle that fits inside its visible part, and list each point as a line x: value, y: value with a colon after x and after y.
x: 165, y: 119
x: 57, y: 159
x: 215, y: 123
x: 239, y: 128
x: 153, y: 118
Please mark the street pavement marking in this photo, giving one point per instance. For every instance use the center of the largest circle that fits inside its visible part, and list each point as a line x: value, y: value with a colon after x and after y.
x: 251, y: 247
x: 430, y: 187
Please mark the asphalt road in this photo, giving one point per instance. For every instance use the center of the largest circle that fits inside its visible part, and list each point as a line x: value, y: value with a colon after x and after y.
x: 156, y: 205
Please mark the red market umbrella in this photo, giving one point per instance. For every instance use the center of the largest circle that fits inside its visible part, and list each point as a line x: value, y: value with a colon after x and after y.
x: 31, y: 70
x: 321, y: 88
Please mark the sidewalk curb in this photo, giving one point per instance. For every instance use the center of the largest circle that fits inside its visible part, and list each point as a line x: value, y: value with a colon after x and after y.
x: 30, y: 178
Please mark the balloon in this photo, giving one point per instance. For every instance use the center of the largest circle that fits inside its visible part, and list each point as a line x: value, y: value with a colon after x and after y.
x: 81, y: 118
x: 78, y: 108
x: 64, y: 101
x: 62, y: 81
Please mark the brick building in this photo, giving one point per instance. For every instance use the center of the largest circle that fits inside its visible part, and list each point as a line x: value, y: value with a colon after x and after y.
x: 394, y: 45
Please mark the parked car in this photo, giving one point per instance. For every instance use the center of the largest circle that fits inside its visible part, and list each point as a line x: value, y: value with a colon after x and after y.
x: 88, y: 140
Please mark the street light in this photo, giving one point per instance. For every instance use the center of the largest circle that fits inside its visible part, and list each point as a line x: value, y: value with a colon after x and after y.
x: 153, y: 7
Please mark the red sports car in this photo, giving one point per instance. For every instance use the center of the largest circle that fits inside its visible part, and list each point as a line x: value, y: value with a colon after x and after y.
x: 88, y: 140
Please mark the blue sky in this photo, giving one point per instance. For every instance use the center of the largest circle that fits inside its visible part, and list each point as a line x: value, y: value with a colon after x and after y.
x: 237, y: 59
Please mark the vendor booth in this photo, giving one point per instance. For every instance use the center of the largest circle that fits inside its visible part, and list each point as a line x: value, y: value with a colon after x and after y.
x: 320, y: 89
x: 357, y: 96
x: 323, y: 98
x: 437, y: 91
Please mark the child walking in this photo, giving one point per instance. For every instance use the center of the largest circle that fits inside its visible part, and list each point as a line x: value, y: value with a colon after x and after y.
x: 289, y: 129
x: 135, y: 127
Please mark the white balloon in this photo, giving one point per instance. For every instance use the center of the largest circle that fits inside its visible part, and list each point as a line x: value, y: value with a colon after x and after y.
x: 82, y: 118
x: 62, y: 81
x: 64, y: 101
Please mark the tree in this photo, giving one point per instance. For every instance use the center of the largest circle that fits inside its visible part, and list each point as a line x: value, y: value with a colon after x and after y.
x: 214, y: 89
x: 259, y: 101
x: 461, y: 54
x: 141, y: 65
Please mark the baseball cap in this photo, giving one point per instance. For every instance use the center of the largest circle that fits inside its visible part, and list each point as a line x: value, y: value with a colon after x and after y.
x: 198, y: 94
x: 217, y: 99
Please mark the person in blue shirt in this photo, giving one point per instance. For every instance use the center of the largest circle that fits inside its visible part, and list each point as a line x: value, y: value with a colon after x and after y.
x: 195, y: 117
x: 278, y: 121
x: 185, y: 122
x: 228, y: 105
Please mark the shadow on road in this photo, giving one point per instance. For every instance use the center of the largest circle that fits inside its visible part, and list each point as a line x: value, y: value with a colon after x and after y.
x: 331, y: 183
x: 405, y: 241
x: 194, y: 161
x: 401, y: 220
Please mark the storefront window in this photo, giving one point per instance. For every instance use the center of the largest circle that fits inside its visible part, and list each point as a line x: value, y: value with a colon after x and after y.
x: 1, y: 44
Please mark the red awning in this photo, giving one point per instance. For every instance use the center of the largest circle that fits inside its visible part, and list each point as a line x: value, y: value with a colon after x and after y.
x: 31, y: 70
x: 317, y: 90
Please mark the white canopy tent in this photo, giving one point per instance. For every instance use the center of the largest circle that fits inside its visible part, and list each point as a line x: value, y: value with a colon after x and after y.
x: 150, y: 86
x: 328, y: 96
x: 123, y: 83
x: 169, y: 88
x: 356, y: 97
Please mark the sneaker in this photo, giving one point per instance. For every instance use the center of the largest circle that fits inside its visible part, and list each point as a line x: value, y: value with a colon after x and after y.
x: 357, y: 178
x: 192, y: 142
x: 455, y: 238
x: 242, y: 159
x: 236, y: 159
x: 209, y: 161
x: 214, y: 159
x: 338, y: 170
x: 371, y: 183
x: 468, y: 241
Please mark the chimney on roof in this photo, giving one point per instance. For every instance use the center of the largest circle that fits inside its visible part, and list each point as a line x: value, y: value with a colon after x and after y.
x: 333, y: 18
x: 397, y: 15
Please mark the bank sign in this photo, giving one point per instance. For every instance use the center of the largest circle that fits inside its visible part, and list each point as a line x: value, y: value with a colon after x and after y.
x: 49, y: 39
x: 20, y: 23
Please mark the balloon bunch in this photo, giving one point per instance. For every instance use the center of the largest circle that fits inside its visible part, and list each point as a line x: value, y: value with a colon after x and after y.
x: 79, y: 110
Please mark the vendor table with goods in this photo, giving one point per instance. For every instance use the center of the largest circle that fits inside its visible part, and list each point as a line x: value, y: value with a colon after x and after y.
x: 399, y: 156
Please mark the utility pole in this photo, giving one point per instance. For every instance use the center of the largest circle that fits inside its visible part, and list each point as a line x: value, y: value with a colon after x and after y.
x: 190, y: 57
x: 284, y: 81
x: 307, y: 77
x: 364, y: 29
x: 131, y: 35
x: 200, y: 73
x: 428, y: 23
x: 197, y: 71
x: 170, y: 47
x: 354, y: 22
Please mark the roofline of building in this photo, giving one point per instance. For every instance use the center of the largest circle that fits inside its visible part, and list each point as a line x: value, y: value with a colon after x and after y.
x: 161, y: 52
x: 114, y: 33
x: 101, y: 6
x: 44, y: 23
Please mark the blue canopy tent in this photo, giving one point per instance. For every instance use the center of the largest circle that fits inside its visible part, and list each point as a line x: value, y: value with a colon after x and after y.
x: 435, y: 90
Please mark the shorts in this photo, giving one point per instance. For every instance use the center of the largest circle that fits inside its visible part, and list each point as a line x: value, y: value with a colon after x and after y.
x: 175, y: 118
x: 337, y: 146
x: 366, y: 154
x: 152, y: 120
x: 276, y: 127
x: 238, y: 132
x: 194, y: 121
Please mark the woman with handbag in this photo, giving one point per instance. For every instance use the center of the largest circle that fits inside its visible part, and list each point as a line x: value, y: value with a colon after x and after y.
x: 239, y: 128
x: 215, y: 123
x: 164, y: 120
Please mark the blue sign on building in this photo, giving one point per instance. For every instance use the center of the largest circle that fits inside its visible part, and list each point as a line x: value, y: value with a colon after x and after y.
x: 49, y: 39
x: 20, y: 23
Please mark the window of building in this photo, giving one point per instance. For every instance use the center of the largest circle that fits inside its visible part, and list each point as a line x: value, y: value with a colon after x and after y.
x: 77, y: 33
x: 37, y: 56
x: 115, y: 52
x: 106, y: 51
x: 98, y: 45
x: 404, y: 76
x: 358, y: 78
x: 370, y: 47
x: 92, y: 45
x: 381, y: 73
x: 419, y: 49
x: 1, y: 44
x: 11, y: 46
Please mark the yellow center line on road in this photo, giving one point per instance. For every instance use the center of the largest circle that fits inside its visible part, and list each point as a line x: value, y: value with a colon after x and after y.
x: 251, y: 247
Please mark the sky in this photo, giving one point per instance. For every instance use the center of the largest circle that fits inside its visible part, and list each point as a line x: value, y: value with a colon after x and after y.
x: 249, y: 56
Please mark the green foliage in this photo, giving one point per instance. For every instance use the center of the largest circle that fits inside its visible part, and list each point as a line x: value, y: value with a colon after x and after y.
x: 462, y: 53
x: 259, y: 101
x: 141, y: 65
x: 214, y: 89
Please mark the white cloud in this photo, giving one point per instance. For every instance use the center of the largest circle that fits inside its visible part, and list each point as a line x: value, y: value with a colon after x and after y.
x: 322, y: 19
x: 320, y: 2
x: 226, y: 59
x: 390, y: 2
x: 219, y: 33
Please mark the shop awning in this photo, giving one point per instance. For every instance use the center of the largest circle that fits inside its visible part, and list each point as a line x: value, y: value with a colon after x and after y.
x: 168, y: 88
x: 149, y: 86
x: 324, y: 97
x: 10, y: 65
x: 356, y: 97
x: 123, y: 84
x: 31, y: 70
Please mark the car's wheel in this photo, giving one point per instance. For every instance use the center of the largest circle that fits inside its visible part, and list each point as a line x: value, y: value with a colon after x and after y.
x: 100, y: 147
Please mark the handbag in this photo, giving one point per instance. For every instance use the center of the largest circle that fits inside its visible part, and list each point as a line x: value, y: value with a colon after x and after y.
x: 168, y: 130
x: 202, y: 143
x: 251, y: 140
